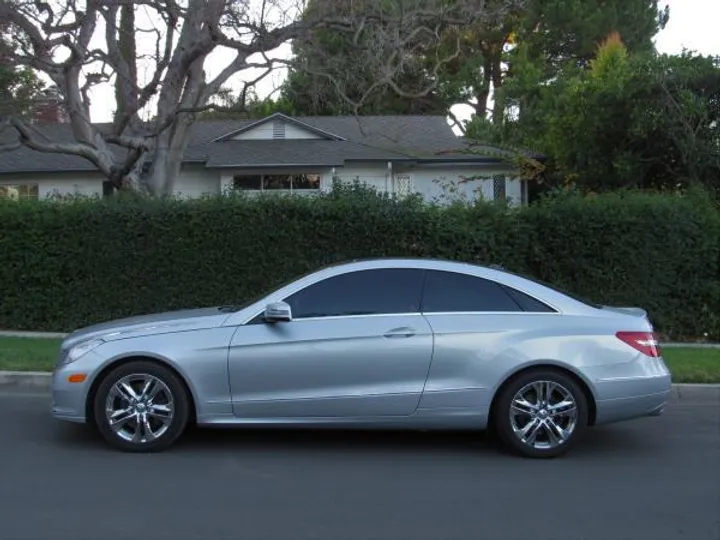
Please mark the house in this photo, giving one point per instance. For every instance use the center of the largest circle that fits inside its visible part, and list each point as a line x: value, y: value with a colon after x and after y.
x: 395, y: 154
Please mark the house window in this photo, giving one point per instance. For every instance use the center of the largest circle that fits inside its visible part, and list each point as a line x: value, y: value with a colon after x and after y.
x: 251, y: 182
x: 404, y: 185
x: 275, y: 182
x: 499, y: 193
x: 19, y: 191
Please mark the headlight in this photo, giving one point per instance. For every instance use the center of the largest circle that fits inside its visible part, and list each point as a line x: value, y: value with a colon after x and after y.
x: 81, y: 349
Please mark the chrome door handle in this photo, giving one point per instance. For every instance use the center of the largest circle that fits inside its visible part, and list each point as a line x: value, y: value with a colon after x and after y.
x: 403, y: 332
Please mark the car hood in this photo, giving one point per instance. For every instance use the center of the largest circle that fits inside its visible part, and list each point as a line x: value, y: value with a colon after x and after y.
x: 156, y: 323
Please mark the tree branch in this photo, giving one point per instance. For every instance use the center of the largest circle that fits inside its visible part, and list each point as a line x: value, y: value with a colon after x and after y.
x: 32, y: 138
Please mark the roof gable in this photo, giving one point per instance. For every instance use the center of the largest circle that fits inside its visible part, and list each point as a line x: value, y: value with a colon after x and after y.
x: 278, y: 126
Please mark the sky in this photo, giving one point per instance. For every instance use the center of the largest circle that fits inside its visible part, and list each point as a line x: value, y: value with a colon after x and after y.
x: 692, y: 25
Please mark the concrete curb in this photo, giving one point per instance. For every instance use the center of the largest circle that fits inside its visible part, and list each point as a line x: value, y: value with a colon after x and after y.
x: 693, y: 345
x: 20, y: 333
x: 25, y: 380
x: 40, y: 381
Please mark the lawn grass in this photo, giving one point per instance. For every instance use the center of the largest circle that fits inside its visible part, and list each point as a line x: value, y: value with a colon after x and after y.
x: 28, y: 354
x: 693, y: 364
x: 688, y: 364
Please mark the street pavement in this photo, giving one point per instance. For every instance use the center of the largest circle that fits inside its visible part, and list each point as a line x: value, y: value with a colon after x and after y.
x: 654, y: 479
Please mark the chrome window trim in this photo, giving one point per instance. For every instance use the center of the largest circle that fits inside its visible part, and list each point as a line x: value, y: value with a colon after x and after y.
x: 431, y: 313
x: 373, y: 315
x: 410, y: 314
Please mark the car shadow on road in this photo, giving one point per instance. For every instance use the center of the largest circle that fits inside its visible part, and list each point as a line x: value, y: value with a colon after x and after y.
x: 626, y: 439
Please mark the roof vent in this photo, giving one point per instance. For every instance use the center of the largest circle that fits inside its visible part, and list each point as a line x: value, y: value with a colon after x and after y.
x: 278, y: 129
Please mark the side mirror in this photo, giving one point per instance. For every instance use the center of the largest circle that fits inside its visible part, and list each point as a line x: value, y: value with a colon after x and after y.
x: 278, y: 312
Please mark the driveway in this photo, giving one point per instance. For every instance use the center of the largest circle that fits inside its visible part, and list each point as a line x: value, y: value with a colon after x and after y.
x: 654, y: 479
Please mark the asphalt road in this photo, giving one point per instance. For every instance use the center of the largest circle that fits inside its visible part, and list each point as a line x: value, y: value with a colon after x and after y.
x: 654, y: 479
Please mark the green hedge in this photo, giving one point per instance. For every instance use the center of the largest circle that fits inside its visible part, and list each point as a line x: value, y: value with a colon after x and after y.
x: 65, y: 265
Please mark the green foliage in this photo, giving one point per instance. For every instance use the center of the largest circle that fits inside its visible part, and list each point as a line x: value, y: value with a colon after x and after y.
x: 558, y: 33
x: 340, y: 73
x: 18, y: 88
x: 547, y: 36
x: 629, y: 122
x: 69, y: 264
x: 232, y: 106
x: 659, y: 252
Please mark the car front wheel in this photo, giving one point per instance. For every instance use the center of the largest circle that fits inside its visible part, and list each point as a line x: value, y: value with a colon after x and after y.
x: 141, y: 406
x: 541, y: 413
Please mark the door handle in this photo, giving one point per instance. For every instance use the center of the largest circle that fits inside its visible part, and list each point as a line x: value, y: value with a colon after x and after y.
x: 402, y: 332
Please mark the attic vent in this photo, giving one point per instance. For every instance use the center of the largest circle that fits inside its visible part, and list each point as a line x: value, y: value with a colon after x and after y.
x: 278, y: 129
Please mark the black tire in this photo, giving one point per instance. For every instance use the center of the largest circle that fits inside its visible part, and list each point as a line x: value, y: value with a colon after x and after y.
x: 169, y: 429
x: 503, y: 423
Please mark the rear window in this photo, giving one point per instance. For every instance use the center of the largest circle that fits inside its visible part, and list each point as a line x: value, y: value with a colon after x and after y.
x: 558, y: 290
x: 526, y: 302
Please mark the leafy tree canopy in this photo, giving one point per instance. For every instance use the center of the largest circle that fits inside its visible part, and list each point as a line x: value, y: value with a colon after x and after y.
x: 642, y: 121
x: 18, y: 86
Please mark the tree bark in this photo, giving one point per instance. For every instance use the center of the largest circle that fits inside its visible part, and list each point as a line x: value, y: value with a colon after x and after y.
x: 483, y: 93
x: 127, y: 49
x: 497, y: 82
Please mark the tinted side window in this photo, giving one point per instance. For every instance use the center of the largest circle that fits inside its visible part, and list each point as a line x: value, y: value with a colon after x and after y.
x: 364, y: 292
x: 450, y: 291
x: 528, y: 303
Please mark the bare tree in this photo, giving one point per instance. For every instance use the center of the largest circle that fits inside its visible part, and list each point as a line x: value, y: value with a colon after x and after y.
x: 80, y: 44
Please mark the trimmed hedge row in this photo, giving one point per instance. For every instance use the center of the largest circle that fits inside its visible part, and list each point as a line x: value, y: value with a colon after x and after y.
x: 65, y: 265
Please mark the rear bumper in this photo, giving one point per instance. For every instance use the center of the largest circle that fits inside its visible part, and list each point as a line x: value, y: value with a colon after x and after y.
x: 616, y: 410
x: 644, y: 391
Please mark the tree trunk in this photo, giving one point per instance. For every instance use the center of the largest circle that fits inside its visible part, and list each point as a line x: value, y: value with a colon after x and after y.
x: 128, y: 51
x: 167, y: 159
x: 497, y: 81
x: 483, y: 93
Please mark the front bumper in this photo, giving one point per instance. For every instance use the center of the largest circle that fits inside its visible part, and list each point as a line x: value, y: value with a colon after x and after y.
x: 69, y: 398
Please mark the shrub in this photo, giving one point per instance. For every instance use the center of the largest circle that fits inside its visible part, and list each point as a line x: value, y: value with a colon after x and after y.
x: 80, y: 262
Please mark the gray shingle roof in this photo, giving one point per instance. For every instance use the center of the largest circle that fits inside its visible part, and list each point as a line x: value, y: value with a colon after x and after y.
x: 379, y: 138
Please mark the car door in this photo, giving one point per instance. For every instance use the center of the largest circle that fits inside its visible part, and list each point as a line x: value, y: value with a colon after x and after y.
x: 476, y: 323
x: 357, y: 346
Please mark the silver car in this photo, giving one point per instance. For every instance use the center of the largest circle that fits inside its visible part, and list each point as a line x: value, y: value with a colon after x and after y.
x: 384, y: 343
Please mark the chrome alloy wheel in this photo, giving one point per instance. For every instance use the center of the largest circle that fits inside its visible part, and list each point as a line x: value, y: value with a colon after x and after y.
x: 543, y: 414
x: 139, y: 408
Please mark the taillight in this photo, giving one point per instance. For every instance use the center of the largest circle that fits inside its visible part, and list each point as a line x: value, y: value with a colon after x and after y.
x: 645, y: 342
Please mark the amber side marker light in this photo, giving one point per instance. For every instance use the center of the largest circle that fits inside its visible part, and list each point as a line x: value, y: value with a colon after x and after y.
x: 77, y: 377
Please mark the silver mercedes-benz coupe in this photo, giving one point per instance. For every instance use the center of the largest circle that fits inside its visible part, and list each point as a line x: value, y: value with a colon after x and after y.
x: 383, y: 343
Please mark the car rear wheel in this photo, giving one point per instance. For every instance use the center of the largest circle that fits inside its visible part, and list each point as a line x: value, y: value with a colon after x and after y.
x: 141, y: 406
x: 541, y: 413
